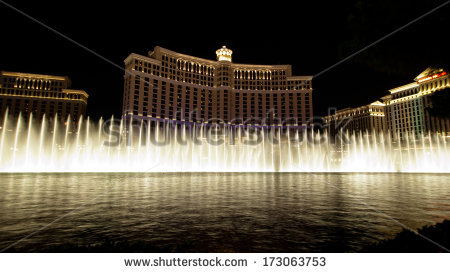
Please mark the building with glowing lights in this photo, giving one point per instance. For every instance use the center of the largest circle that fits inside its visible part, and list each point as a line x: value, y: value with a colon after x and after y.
x: 368, y: 118
x: 410, y: 107
x: 40, y: 95
x: 167, y: 85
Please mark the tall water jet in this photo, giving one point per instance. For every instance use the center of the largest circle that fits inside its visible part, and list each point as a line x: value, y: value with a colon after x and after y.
x: 78, y: 146
x: 16, y: 139
x: 2, y: 141
x: 28, y: 145
x: 41, y: 140
x: 55, y: 124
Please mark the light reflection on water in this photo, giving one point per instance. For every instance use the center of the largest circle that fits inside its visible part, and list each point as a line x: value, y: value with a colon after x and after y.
x: 243, y: 212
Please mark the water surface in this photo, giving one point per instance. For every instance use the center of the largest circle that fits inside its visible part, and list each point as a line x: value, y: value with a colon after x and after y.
x: 217, y: 212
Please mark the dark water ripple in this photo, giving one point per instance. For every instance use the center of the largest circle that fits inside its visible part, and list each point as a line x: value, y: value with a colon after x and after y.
x: 246, y: 212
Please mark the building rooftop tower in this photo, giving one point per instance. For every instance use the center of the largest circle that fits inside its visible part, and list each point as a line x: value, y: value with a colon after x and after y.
x: 224, y: 54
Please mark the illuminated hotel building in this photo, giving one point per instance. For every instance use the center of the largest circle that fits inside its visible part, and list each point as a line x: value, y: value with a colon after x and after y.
x: 409, y: 105
x: 407, y: 109
x: 167, y: 85
x: 40, y: 94
x: 367, y: 118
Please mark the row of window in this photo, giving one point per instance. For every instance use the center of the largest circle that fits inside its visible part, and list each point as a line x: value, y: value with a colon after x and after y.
x: 423, y: 87
x: 147, y: 100
x: 30, y: 83
x: 41, y: 107
x: 41, y: 94
x: 195, y: 73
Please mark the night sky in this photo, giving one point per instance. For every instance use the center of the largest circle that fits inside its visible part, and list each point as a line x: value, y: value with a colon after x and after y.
x: 311, y: 36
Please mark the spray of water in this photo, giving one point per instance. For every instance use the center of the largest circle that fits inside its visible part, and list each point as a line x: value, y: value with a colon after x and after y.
x: 48, y: 145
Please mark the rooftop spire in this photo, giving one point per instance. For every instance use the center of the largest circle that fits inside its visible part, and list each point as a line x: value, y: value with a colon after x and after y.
x: 224, y: 54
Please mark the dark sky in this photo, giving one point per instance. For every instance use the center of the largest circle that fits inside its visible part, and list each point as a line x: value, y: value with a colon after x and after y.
x: 311, y: 36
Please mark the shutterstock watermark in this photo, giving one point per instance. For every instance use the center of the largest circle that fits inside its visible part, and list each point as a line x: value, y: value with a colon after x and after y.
x: 137, y: 130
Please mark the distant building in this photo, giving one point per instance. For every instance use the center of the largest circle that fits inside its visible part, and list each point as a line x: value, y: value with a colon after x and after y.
x: 167, y: 85
x: 40, y: 94
x: 367, y: 118
x: 408, y: 109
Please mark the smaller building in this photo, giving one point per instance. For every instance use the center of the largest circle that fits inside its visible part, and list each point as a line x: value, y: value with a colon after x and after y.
x: 40, y: 95
x: 420, y: 107
x: 409, y: 109
x: 367, y: 118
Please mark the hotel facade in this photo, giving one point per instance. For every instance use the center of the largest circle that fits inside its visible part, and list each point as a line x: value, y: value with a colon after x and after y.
x: 369, y: 118
x: 406, y: 109
x: 40, y: 95
x: 167, y: 85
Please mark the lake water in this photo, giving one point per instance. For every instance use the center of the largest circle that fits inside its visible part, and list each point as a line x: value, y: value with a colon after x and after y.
x: 218, y: 212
